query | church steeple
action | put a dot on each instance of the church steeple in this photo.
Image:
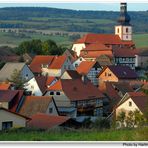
(124, 28)
(124, 18)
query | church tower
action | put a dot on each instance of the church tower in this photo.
(124, 28)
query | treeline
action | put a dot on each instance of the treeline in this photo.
(68, 20)
(38, 47)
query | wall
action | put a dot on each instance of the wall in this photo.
(26, 71)
(78, 47)
(54, 110)
(122, 32)
(102, 78)
(125, 106)
(141, 61)
(18, 121)
(33, 86)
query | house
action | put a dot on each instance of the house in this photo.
(132, 101)
(125, 57)
(39, 62)
(10, 99)
(11, 119)
(141, 59)
(71, 74)
(47, 121)
(114, 93)
(75, 98)
(90, 69)
(36, 86)
(7, 71)
(95, 50)
(77, 62)
(57, 67)
(115, 73)
(38, 104)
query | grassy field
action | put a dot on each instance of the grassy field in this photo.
(140, 134)
(13, 39)
(141, 40)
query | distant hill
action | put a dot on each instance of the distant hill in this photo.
(68, 20)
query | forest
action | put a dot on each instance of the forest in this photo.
(68, 20)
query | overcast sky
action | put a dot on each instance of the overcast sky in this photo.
(82, 6)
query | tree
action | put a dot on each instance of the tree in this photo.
(130, 120)
(17, 80)
(121, 118)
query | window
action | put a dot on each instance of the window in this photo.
(76, 65)
(80, 59)
(7, 125)
(126, 30)
(50, 110)
(127, 37)
(130, 103)
(105, 74)
(118, 30)
(58, 93)
(109, 74)
(51, 93)
(32, 87)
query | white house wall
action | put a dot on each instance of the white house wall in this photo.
(33, 87)
(78, 47)
(18, 121)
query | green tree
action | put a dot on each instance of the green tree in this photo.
(121, 118)
(17, 80)
(130, 119)
(48, 47)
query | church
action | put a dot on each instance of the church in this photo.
(118, 48)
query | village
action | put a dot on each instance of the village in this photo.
(103, 76)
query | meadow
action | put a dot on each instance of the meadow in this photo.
(140, 134)
(13, 39)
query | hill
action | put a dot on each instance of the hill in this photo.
(68, 20)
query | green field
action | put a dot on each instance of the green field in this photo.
(141, 40)
(140, 134)
(13, 39)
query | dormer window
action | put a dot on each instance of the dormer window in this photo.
(44, 66)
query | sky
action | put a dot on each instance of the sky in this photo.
(82, 6)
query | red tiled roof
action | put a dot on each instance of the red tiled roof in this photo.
(96, 54)
(44, 121)
(85, 67)
(50, 80)
(75, 89)
(122, 72)
(35, 104)
(56, 86)
(58, 62)
(15, 113)
(4, 86)
(124, 52)
(7, 95)
(37, 61)
(41, 81)
(96, 47)
(17, 100)
(103, 39)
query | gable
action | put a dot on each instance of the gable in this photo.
(125, 106)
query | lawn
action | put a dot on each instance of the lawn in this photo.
(141, 40)
(140, 134)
